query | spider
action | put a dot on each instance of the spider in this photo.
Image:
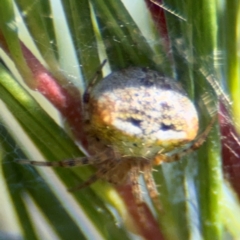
(135, 119)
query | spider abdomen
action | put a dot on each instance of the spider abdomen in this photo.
(141, 113)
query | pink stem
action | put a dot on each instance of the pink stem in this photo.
(230, 149)
(150, 229)
(66, 99)
(160, 22)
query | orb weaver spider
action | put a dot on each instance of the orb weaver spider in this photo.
(135, 119)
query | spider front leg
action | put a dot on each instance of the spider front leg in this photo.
(101, 172)
(73, 162)
(137, 192)
(151, 187)
(141, 208)
(104, 167)
(92, 82)
(160, 158)
(136, 189)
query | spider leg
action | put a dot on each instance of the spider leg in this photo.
(72, 162)
(160, 158)
(137, 193)
(151, 187)
(99, 174)
(65, 163)
(136, 189)
(92, 82)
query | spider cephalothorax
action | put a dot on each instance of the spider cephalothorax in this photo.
(135, 119)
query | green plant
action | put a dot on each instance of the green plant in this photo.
(197, 202)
